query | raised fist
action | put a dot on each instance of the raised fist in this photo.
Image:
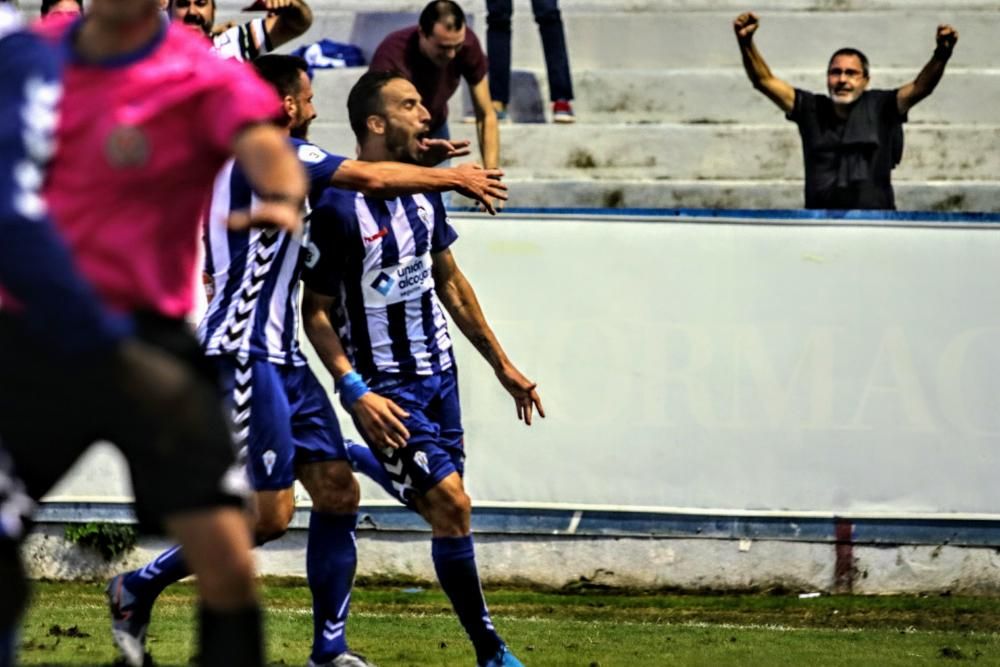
(947, 37)
(745, 26)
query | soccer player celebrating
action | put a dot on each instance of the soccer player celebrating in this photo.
(280, 411)
(285, 20)
(375, 268)
(126, 188)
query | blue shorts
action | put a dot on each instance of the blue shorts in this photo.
(282, 417)
(436, 445)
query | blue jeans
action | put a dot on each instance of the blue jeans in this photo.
(550, 26)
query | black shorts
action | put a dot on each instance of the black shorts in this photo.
(173, 433)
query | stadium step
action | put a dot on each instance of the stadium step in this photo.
(704, 151)
(706, 96)
(704, 39)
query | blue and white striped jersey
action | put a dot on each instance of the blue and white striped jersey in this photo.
(243, 42)
(375, 256)
(252, 276)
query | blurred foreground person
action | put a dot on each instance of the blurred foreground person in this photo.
(131, 87)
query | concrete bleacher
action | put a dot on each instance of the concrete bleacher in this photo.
(666, 117)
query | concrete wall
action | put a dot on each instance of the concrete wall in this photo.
(630, 562)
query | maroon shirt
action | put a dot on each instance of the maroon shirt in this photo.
(400, 52)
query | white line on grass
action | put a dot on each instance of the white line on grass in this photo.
(700, 625)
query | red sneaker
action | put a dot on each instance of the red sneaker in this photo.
(562, 112)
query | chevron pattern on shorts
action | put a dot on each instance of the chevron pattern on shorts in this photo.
(242, 394)
(401, 481)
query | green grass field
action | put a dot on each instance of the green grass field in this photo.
(407, 625)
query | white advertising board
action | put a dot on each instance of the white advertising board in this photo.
(714, 365)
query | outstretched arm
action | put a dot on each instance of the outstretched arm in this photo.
(925, 83)
(378, 417)
(460, 300)
(392, 179)
(760, 75)
(286, 20)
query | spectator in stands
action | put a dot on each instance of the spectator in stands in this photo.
(285, 20)
(435, 56)
(853, 138)
(550, 27)
(71, 7)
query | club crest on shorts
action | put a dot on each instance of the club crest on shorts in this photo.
(420, 458)
(127, 146)
(269, 458)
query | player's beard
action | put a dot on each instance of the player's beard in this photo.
(300, 131)
(401, 145)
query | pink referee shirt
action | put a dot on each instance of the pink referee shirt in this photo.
(140, 141)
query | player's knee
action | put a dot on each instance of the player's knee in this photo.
(269, 528)
(273, 519)
(452, 513)
(340, 499)
(332, 487)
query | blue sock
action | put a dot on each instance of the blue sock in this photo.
(455, 564)
(149, 581)
(364, 461)
(331, 559)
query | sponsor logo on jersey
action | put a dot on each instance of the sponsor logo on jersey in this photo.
(383, 284)
(404, 281)
(377, 235)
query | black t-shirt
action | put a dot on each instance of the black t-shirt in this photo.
(849, 162)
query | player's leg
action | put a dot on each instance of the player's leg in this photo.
(131, 595)
(168, 423)
(428, 474)
(448, 509)
(364, 461)
(217, 548)
(331, 555)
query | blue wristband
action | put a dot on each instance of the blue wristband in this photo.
(351, 387)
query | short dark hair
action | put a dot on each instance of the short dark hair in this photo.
(282, 72)
(47, 5)
(440, 11)
(848, 51)
(365, 99)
